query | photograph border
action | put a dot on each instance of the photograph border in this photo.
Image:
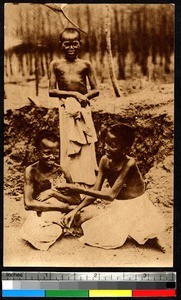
(177, 154)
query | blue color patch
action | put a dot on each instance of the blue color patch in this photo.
(23, 293)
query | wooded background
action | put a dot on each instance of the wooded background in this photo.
(142, 38)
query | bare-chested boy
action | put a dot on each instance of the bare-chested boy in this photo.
(41, 197)
(68, 79)
(130, 213)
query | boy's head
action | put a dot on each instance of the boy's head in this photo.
(47, 147)
(118, 140)
(124, 133)
(70, 42)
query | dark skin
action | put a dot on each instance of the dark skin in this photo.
(123, 176)
(121, 172)
(38, 192)
(68, 75)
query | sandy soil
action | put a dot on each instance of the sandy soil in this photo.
(143, 98)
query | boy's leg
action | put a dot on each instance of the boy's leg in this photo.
(88, 212)
(84, 215)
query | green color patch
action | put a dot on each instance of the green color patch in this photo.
(67, 293)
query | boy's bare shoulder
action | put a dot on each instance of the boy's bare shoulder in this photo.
(87, 63)
(30, 171)
(56, 62)
(31, 167)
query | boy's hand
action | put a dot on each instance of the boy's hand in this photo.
(64, 189)
(67, 189)
(83, 100)
(83, 103)
(68, 219)
(45, 195)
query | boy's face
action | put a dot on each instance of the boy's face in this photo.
(114, 148)
(70, 44)
(48, 152)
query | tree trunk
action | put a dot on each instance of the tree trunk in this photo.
(37, 70)
(109, 53)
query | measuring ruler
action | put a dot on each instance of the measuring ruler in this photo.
(88, 284)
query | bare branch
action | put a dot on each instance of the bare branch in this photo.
(59, 9)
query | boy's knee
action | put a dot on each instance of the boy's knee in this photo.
(88, 213)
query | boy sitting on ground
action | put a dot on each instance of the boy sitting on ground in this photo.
(41, 196)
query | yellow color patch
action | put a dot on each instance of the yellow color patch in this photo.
(110, 293)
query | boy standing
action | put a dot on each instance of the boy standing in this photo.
(41, 196)
(68, 81)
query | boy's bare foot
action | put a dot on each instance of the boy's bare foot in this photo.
(74, 231)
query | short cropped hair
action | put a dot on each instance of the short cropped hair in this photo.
(45, 134)
(124, 133)
(69, 30)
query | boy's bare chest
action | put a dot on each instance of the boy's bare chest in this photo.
(54, 177)
(111, 175)
(73, 71)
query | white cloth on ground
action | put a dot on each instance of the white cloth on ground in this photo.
(137, 218)
(43, 231)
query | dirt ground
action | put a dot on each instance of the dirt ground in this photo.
(146, 102)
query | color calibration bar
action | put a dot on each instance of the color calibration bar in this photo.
(56, 284)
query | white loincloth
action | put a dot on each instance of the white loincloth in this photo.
(78, 136)
(43, 231)
(137, 218)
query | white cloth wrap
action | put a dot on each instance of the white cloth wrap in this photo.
(77, 136)
(137, 218)
(42, 232)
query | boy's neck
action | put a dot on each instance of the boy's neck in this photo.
(71, 59)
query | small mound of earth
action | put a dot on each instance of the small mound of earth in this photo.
(159, 181)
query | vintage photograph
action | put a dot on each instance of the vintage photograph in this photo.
(88, 135)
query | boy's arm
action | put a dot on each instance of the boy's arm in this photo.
(68, 218)
(120, 181)
(112, 193)
(90, 192)
(117, 186)
(52, 81)
(71, 198)
(32, 204)
(74, 198)
(92, 81)
(96, 191)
